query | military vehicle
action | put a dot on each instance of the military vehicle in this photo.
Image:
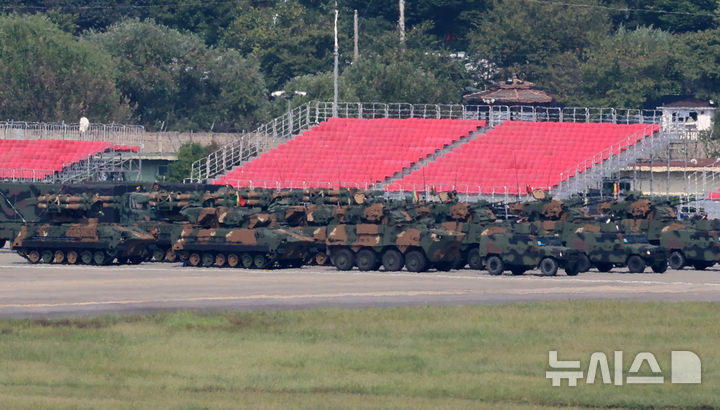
(685, 244)
(239, 237)
(520, 249)
(601, 243)
(70, 227)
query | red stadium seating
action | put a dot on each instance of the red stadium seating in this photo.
(37, 159)
(346, 151)
(517, 156)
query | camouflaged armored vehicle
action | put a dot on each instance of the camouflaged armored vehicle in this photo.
(371, 235)
(520, 249)
(244, 237)
(68, 227)
(686, 244)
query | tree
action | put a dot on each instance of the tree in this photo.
(699, 63)
(188, 153)
(525, 36)
(48, 75)
(287, 39)
(630, 68)
(675, 16)
(174, 81)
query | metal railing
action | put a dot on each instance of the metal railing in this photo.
(118, 134)
(310, 114)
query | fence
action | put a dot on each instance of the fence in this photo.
(118, 134)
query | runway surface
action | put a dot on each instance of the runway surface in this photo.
(28, 290)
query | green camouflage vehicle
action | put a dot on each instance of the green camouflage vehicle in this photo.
(239, 237)
(686, 244)
(88, 242)
(518, 250)
(414, 246)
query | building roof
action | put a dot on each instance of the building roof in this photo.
(513, 91)
(689, 103)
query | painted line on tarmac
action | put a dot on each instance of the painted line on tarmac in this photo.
(238, 298)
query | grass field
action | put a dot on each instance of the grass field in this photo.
(428, 357)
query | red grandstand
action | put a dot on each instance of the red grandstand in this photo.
(444, 154)
(38, 159)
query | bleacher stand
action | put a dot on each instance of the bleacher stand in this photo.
(38, 159)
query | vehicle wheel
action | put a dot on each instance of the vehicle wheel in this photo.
(415, 261)
(516, 270)
(583, 264)
(494, 265)
(475, 260)
(220, 260)
(208, 259)
(194, 259)
(86, 257)
(170, 256)
(701, 265)
(158, 255)
(660, 267)
(393, 260)
(676, 260)
(260, 261)
(343, 259)
(72, 257)
(33, 256)
(59, 256)
(233, 260)
(366, 260)
(548, 267)
(460, 261)
(604, 266)
(2, 243)
(296, 263)
(635, 264)
(47, 256)
(321, 258)
(246, 260)
(101, 258)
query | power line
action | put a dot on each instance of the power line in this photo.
(173, 4)
(623, 9)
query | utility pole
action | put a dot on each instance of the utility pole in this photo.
(356, 51)
(335, 70)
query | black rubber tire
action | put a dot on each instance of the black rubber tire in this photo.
(636, 264)
(100, 258)
(583, 264)
(220, 260)
(475, 261)
(86, 257)
(701, 265)
(233, 260)
(158, 255)
(261, 261)
(59, 256)
(494, 265)
(136, 260)
(2, 243)
(246, 260)
(660, 267)
(571, 271)
(194, 259)
(517, 270)
(548, 266)
(604, 266)
(47, 256)
(415, 261)
(366, 260)
(393, 260)
(72, 257)
(343, 259)
(208, 259)
(676, 260)
(34, 256)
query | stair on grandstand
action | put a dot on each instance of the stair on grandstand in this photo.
(350, 152)
(51, 159)
(516, 156)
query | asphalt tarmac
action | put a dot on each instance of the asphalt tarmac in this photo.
(28, 290)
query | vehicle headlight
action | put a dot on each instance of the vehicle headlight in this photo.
(561, 254)
(648, 252)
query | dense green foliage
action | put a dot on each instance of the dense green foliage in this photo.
(190, 65)
(188, 153)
